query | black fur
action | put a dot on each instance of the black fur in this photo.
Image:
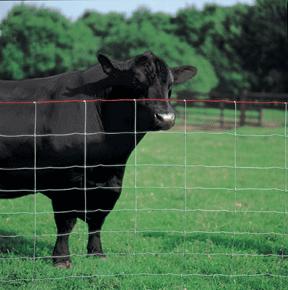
(119, 80)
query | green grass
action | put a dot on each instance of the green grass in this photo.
(211, 245)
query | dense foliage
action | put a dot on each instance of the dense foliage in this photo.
(37, 42)
(265, 46)
(235, 48)
(215, 33)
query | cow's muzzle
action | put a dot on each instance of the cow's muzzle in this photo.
(165, 121)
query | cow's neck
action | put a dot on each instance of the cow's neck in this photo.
(93, 75)
(118, 148)
(92, 82)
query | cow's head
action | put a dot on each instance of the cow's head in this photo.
(147, 77)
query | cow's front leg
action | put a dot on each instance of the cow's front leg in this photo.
(100, 204)
(65, 223)
(94, 246)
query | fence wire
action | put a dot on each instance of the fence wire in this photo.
(137, 187)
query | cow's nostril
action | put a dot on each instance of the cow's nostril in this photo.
(158, 117)
(169, 117)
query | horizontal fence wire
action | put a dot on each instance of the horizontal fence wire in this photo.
(125, 254)
(153, 209)
(163, 231)
(141, 100)
(147, 187)
(144, 165)
(136, 187)
(140, 133)
(156, 275)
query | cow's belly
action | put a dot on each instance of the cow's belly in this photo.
(18, 183)
(13, 185)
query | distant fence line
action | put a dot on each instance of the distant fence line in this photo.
(248, 102)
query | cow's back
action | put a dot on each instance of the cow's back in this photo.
(38, 88)
(59, 128)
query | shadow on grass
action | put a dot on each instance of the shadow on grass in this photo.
(264, 245)
(11, 244)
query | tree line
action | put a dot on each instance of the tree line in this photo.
(237, 48)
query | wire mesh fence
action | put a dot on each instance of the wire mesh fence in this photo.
(198, 195)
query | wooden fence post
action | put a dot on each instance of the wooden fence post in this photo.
(221, 114)
(242, 111)
(260, 117)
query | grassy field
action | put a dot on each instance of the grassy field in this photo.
(204, 225)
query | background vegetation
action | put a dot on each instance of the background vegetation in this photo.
(236, 48)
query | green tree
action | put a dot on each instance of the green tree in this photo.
(38, 42)
(215, 33)
(264, 46)
(160, 20)
(191, 26)
(134, 38)
(102, 24)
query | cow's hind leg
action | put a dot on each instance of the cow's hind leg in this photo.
(64, 222)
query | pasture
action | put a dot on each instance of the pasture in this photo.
(193, 220)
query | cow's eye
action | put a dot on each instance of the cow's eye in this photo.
(139, 77)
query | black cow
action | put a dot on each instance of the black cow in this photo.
(61, 143)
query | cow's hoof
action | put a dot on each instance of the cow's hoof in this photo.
(63, 265)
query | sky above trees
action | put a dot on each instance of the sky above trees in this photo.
(74, 9)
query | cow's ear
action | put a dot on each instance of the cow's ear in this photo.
(182, 74)
(141, 59)
(106, 64)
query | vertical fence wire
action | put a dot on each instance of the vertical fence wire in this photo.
(85, 165)
(285, 179)
(135, 168)
(285, 150)
(35, 185)
(85, 161)
(235, 173)
(285, 169)
(185, 182)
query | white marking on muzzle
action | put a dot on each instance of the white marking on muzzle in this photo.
(170, 117)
